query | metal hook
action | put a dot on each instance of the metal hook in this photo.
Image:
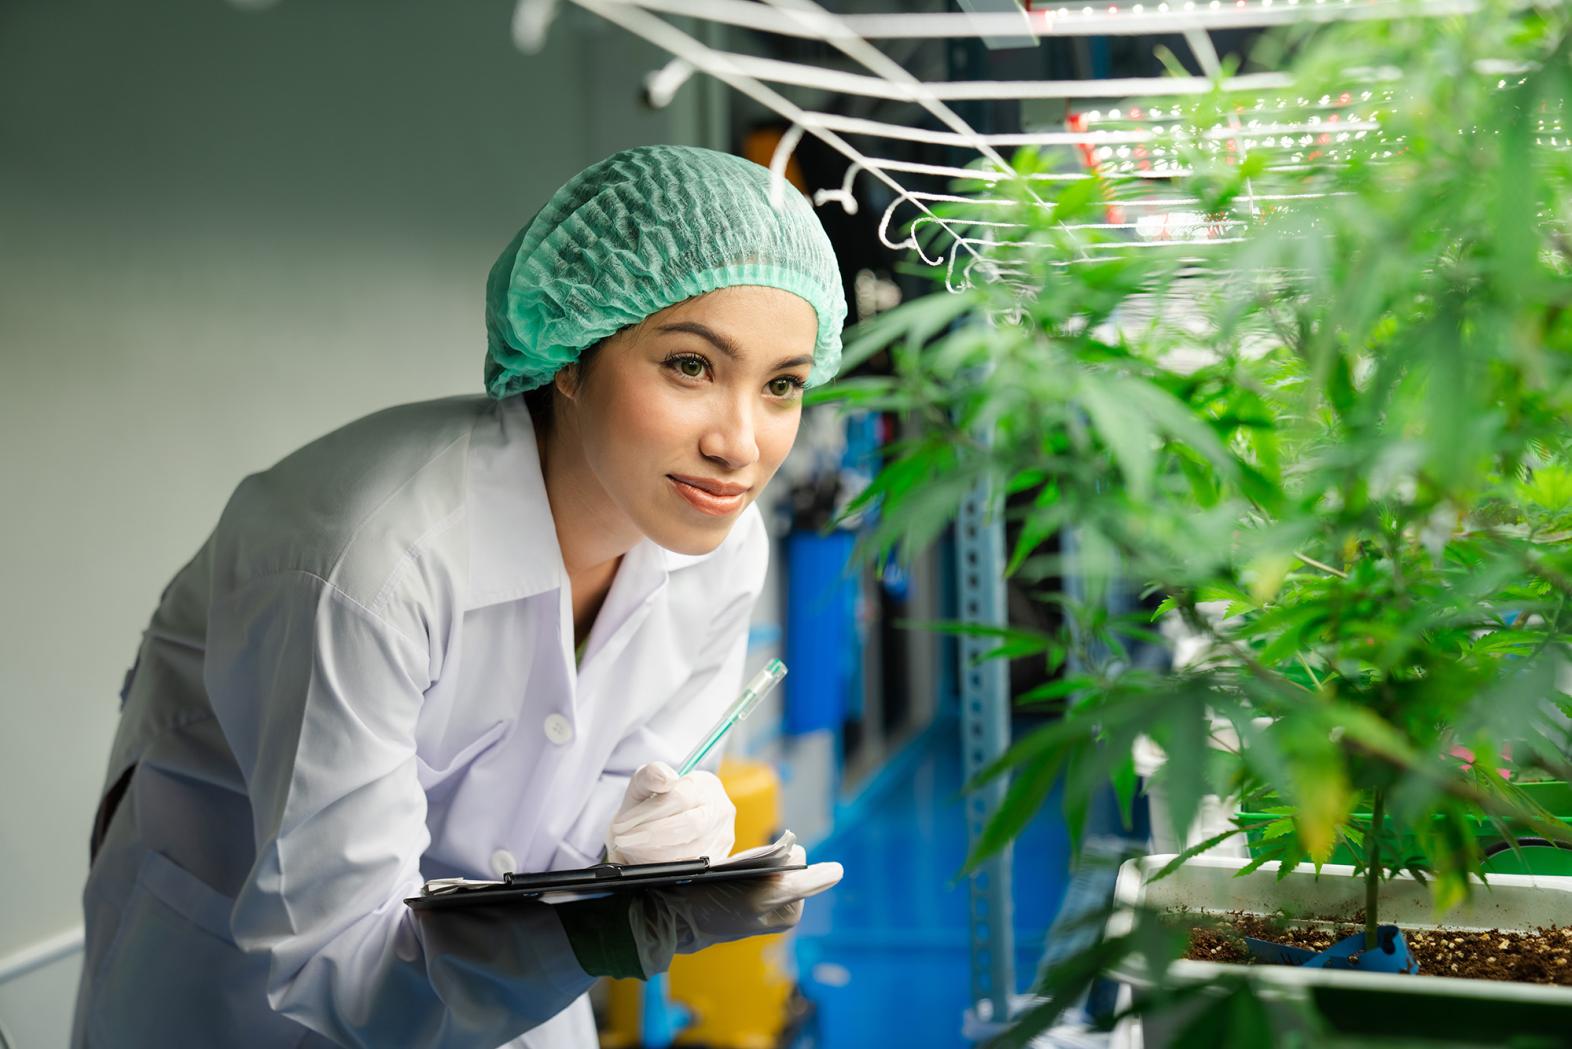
(783, 150)
(884, 228)
(843, 196)
(949, 272)
(917, 244)
(967, 284)
(661, 86)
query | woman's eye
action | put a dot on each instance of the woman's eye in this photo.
(692, 367)
(784, 387)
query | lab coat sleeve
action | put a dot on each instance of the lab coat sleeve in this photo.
(318, 697)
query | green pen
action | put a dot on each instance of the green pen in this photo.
(752, 692)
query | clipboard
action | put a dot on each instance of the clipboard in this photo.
(599, 880)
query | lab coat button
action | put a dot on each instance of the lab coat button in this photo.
(559, 730)
(503, 863)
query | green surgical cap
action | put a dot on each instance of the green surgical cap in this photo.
(642, 230)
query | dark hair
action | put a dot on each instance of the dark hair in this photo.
(542, 400)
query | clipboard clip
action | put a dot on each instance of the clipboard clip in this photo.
(602, 872)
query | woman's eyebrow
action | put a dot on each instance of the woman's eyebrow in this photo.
(725, 345)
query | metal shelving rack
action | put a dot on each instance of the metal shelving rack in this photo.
(687, 29)
(985, 733)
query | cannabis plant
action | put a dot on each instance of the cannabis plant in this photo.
(1323, 427)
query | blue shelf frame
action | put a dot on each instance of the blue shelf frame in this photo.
(985, 734)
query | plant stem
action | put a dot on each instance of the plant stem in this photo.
(1373, 869)
(1313, 679)
(1325, 568)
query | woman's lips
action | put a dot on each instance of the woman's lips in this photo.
(708, 502)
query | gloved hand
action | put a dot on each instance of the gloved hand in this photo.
(668, 922)
(665, 817)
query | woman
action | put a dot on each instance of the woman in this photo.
(471, 636)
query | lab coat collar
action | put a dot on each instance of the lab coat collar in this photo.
(513, 538)
(674, 560)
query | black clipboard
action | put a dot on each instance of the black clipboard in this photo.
(598, 880)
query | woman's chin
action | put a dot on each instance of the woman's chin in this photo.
(690, 542)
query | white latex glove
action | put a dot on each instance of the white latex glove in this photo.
(667, 922)
(665, 817)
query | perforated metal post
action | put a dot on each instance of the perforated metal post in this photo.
(985, 733)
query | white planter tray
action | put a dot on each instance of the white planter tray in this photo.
(1462, 1010)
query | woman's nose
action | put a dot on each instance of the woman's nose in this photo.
(731, 441)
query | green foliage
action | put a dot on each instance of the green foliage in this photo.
(1336, 445)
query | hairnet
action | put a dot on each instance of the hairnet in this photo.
(642, 230)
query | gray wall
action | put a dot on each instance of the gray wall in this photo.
(224, 232)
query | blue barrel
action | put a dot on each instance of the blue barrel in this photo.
(822, 652)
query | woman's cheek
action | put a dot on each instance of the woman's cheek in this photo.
(664, 417)
(782, 434)
(642, 414)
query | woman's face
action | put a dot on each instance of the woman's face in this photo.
(684, 418)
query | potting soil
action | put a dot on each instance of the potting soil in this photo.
(1541, 956)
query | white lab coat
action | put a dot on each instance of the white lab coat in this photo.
(363, 680)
